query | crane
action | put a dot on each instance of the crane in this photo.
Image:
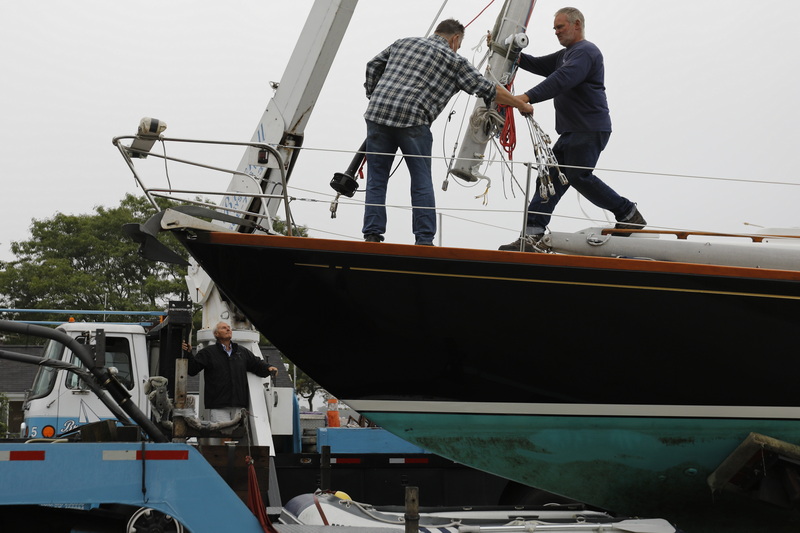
(257, 186)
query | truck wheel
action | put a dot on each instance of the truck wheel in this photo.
(146, 520)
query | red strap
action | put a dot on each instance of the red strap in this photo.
(321, 512)
(254, 501)
(361, 168)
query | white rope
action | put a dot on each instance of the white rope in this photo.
(484, 124)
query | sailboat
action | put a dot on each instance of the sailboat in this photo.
(661, 405)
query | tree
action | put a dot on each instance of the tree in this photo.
(297, 231)
(304, 386)
(87, 262)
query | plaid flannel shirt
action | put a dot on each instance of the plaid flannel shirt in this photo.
(410, 82)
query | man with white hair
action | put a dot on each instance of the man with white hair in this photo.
(575, 80)
(226, 365)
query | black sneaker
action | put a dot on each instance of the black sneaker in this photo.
(373, 237)
(528, 243)
(635, 221)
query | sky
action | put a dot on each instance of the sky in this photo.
(701, 92)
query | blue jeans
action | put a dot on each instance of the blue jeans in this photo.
(581, 149)
(412, 141)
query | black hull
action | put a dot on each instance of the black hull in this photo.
(399, 322)
(622, 383)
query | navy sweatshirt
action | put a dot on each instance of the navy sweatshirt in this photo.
(575, 82)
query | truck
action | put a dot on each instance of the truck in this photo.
(363, 460)
(143, 361)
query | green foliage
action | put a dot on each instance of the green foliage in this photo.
(297, 231)
(87, 262)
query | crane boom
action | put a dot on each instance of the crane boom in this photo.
(286, 116)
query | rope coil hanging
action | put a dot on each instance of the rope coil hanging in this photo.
(508, 135)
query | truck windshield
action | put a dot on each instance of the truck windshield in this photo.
(46, 376)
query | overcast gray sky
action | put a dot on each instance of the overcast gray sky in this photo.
(697, 88)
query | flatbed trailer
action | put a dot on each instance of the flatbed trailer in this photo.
(98, 487)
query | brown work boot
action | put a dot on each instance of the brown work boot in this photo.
(635, 221)
(528, 243)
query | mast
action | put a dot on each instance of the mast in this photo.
(508, 40)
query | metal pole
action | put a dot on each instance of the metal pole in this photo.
(178, 421)
(325, 469)
(527, 203)
(427, 33)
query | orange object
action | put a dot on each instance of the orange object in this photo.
(333, 413)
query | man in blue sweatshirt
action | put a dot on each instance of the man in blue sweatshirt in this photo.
(574, 79)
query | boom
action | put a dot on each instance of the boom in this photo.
(283, 122)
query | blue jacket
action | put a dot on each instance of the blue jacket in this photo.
(575, 81)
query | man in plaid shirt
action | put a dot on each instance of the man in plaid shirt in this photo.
(408, 85)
